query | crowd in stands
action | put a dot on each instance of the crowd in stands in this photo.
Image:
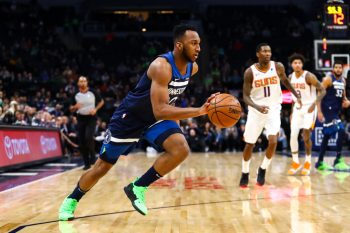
(38, 72)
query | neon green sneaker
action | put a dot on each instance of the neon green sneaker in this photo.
(321, 166)
(67, 209)
(136, 194)
(341, 165)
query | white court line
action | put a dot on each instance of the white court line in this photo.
(61, 164)
(19, 174)
(41, 170)
(45, 178)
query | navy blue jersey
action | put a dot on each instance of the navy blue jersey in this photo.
(332, 102)
(135, 112)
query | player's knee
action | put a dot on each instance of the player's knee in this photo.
(306, 137)
(182, 150)
(273, 141)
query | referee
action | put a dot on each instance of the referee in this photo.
(87, 103)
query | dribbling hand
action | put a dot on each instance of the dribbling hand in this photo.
(204, 108)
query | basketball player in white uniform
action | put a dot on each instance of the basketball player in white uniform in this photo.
(262, 93)
(307, 86)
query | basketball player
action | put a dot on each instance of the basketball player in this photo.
(329, 112)
(148, 112)
(306, 84)
(262, 93)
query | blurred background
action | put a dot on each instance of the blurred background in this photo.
(46, 45)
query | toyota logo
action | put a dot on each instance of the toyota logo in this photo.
(8, 147)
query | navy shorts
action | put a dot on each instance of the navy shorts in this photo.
(156, 134)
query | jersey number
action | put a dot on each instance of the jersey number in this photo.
(339, 93)
(267, 91)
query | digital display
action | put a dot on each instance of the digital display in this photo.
(336, 16)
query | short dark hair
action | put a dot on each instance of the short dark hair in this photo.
(258, 48)
(337, 62)
(297, 56)
(180, 29)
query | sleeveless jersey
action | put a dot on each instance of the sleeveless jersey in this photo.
(266, 88)
(332, 102)
(307, 92)
(135, 112)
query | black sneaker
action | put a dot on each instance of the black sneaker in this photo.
(260, 180)
(243, 183)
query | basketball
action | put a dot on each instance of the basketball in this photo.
(224, 110)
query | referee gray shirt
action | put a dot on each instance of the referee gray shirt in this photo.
(88, 101)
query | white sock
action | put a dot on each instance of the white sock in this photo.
(245, 166)
(266, 162)
(308, 158)
(295, 157)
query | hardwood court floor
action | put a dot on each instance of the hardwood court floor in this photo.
(200, 196)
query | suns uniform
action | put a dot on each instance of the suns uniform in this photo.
(266, 90)
(134, 119)
(301, 119)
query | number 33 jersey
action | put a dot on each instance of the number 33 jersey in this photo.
(266, 88)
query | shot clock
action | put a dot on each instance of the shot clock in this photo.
(336, 19)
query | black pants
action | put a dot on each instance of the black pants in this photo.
(86, 130)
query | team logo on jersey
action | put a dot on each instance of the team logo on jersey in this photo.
(299, 85)
(107, 137)
(266, 81)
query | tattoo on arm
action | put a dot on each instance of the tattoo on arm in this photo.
(312, 80)
(284, 80)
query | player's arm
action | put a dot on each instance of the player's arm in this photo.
(326, 82)
(346, 102)
(290, 79)
(285, 81)
(160, 73)
(321, 92)
(247, 88)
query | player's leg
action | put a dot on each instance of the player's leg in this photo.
(272, 126)
(308, 150)
(339, 162)
(109, 155)
(320, 164)
(294, 144)
(254, 127)
(165, 136)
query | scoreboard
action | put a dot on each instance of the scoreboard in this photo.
(336, 20)
(336, 16)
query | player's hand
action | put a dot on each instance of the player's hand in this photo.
(212, 96)
(204, 108)
(299, 103)
(311, 108)
(346, 103)
(320, 116)
(263, 109)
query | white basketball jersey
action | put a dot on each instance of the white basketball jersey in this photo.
(307, 92)
(266, 88)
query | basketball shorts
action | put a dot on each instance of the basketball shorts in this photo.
(257, 121)
(301, 119)
(156, 134)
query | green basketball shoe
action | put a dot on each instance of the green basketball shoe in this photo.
(136, 194)
(341, 165)
(322, 166)
(67, 209)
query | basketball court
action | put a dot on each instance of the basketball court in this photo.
(201, 195)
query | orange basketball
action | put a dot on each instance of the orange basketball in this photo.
(224, 110)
